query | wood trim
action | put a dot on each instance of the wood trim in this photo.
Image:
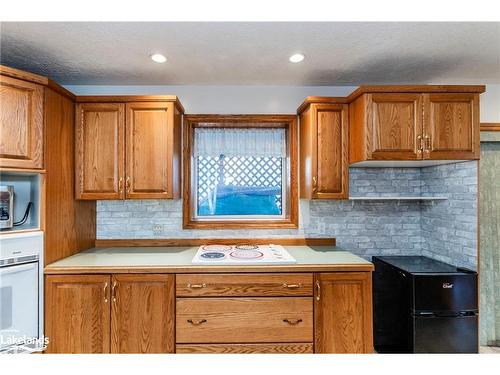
(415, 89)
(61, 90)
(35, 78)
(320, 100)
(187, 242)
(490, 126)
(129, 98)
(192, 121)
(54, 270)
(25, 172)
(25, 76)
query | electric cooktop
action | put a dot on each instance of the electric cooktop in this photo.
(242, 254)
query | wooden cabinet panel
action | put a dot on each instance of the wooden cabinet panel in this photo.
(451, 128)
(77, 313)
(343, 313)
(244, 320)
(244, 285)
(288, 348)
(149, 141)
(21, 124)
(142, 314)
(396, 122)
(324, 151)
(332, 168)
(99, 150)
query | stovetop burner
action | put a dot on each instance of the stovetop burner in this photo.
(242, 254)
(246, 254)
(212, 255)
(247, 247)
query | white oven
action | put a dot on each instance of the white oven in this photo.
(20, 290)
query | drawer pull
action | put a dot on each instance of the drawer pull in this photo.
(292, 286)
(197, 286)
(292, 322)
(197, 322)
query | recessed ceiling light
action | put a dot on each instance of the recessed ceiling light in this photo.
(158, 58)
(296, 58)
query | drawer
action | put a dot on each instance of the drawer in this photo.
(244, 285)
(244, 320)
(289, 348)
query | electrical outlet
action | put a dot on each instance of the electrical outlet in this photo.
(158, 229)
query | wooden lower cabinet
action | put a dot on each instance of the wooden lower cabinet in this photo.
(142, 318)
(343, 313)
(103, 313)
(244, 320)
(77, 313)
(213, 313)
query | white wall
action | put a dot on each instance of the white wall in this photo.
(258, 99)
(225, 99)
(490, 104)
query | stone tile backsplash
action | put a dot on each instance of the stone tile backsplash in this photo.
(445, 230)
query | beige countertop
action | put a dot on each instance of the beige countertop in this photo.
(178, 260)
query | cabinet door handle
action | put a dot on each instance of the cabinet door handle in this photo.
(113, 291)
(120, 185)
(196, 322)
(292, 322)
(318, 291)
(127, 184)
(197, 286)
(292, 286)
(315, 185)
(105, 291)
(427, 143)
(420, 140)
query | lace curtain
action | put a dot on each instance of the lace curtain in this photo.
(239, 142)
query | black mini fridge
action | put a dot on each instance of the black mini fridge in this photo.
(421, 305)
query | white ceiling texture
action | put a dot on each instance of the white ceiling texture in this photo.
(225, 53)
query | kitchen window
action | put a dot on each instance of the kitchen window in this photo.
(240, 172)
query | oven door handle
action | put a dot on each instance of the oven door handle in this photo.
(18, 268)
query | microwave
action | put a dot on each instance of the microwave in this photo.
(6, 206)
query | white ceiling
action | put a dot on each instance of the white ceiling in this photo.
(337, 54)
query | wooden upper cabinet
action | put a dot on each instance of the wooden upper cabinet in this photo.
(99, 150)
(21, 124)
(149, 141)
(77, 313)
(324, 151)
(396, 123)
(451, 129)
(143, 314)
(127, 149)
(343, 313)
(412, 125)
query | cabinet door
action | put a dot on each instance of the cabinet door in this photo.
(451, 126)
(149, 153)
(99, 151)
(142, 314)
(396, 126)
(331, 180)
(21, 124)
(343, 313)
(77, 313)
